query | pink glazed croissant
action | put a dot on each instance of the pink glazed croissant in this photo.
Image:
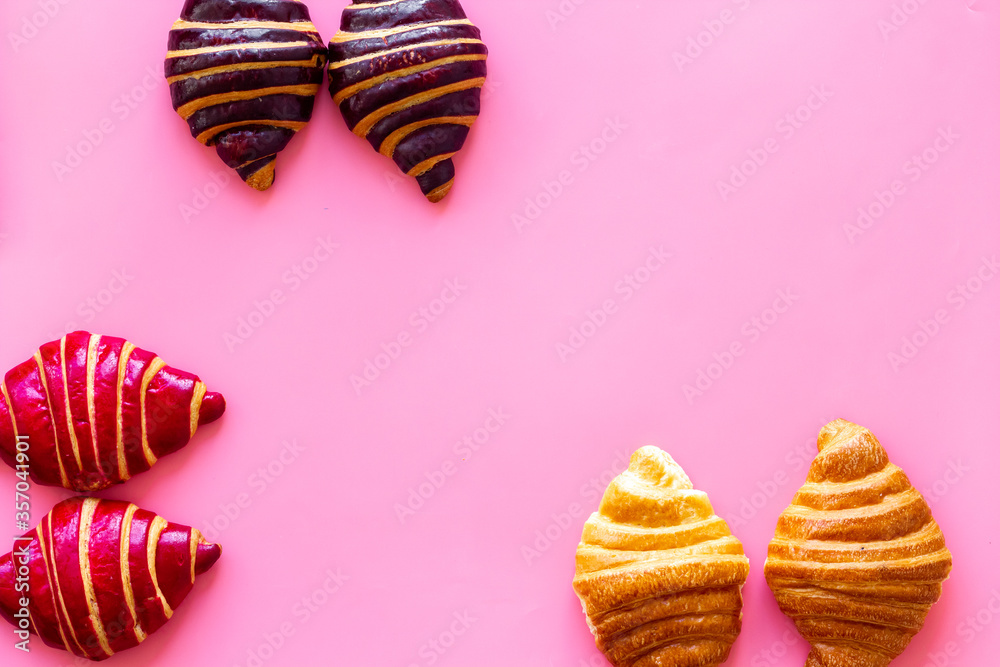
(93, 411)
(96, 577)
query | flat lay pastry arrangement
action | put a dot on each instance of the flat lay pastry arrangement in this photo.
(856, 563)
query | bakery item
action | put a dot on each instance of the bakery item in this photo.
(407, 76)
(857, 559)
(659, 574)
(100, 575)
(93, 411)
(244, 75)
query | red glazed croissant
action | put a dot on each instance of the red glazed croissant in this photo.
(98, 576)
(857, 560)
(96, 410)
(244, 74)
(407, 75)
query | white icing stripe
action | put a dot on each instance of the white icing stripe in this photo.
(123, 559)
(299, 26)
(126, 352)
(153, 539)
(154, 368)
(185, 53)
(74, 442)
(342, 36)
(372, 5)
(91, 404)
(86, 520)
(399, 49)
(55, 430)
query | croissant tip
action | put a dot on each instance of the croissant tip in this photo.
(212, 407)
(439, 193)
(263, 178)
(207, 556)
(835, 431)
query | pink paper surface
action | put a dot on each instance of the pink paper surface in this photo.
(560, 323)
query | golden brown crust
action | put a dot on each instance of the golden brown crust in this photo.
(857, 559)
(659, 575)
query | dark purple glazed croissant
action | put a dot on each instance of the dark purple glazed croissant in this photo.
(407, 75)
(244, 74)
(96, 577)
(89, 411)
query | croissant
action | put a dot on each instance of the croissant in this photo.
(244, 74)
(658, 573)
(857, 559)
(407, 76)
(89, 411)
(96, 577)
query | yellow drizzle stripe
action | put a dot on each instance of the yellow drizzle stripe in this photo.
(388, 146)
(428, 164)
(238, 67)
(399, 49)
(155, 529)
(406, 71)
(187, 110)
(126, 352)
(10, 408)
(52, 574)
(91, 408)
(69, 413)
(342, 36)
(368, 122)
(86, 519)
(55, 431)
(196, 399)
(153, 369)
(205, 136)
(201, 50)
(300, 26)
(126, 540)
(195, 539)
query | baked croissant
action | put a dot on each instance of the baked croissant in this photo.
(98, 576)
(659, 574)
(857, 559)
(244, 74)
(407, 76)
(96, 410)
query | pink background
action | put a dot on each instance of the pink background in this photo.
(556, 86)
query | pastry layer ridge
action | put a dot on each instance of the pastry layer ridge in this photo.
(659, 574)
(857, 560)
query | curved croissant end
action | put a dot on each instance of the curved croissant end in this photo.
(658, 573)
(407, 76)
(857, 560)
(244, 74)
(102, 575)
(95, 410)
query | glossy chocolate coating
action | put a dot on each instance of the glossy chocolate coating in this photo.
(407, 76)
(244, 74)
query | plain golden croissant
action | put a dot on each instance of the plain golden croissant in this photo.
(857, 560)
(659, 574)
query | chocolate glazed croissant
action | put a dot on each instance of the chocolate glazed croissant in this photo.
(244, 74)
(659, 574)
(99, 576)
(857, 559)
(96, 410)
(407, 76)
